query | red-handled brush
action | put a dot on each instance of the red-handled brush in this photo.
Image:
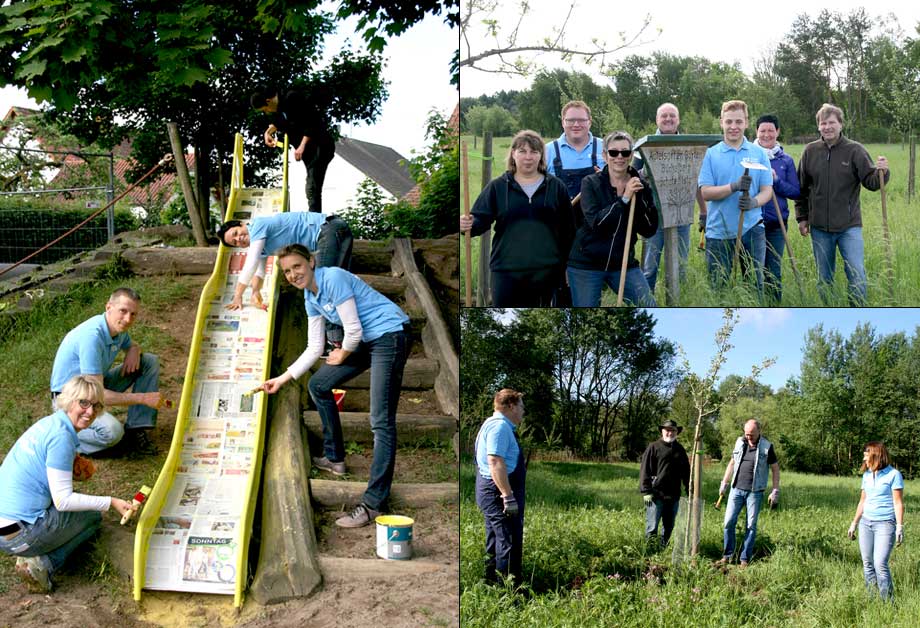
(139, 498)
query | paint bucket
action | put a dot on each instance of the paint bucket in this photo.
(394, 537)
(339, 395)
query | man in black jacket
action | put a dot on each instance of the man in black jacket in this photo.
(665, 467)
(308, 131)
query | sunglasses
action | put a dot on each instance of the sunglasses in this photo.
(619, 153)
(86, 403)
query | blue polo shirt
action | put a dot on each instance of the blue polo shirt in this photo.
(721, 166)
(87, 349)
(879, 504)
(574, 159)
(281, 230)
(496, 438)
(48, 443)
(334, 286)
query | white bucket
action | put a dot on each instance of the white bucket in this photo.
(394, 537)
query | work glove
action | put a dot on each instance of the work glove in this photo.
(511, 506)
(899, 534)
(746, 203)
(851, 533)
(647, 497)
(722, 487)
(702, 223)
(773, 499)
(743, 183)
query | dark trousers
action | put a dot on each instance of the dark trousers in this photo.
(504, 535)
(524, 289)
(333, 248)
(316, 160)
(663, 510)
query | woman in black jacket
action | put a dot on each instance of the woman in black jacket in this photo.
(534, 226)
(596, 257)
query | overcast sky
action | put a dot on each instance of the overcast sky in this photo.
(720, 31)
(766, 332)
(418, 71)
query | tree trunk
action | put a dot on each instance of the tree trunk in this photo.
(203, 181)
(288, 565)
(484, 291)
(186, 184)
(696, 484)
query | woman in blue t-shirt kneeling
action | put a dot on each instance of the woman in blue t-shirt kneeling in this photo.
(879, 515)
(375, 338)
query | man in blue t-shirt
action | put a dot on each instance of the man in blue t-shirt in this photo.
(732, 196)
(500, 480)
(90, 349)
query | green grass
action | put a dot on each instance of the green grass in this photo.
(903, 224)
(28, 348)
(586, 564)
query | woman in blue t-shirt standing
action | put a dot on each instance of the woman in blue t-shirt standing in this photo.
(879, 515)
(375, 339)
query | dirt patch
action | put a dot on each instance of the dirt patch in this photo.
(96, 593)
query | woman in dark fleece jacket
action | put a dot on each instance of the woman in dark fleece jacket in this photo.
(534, 226)
(596, 257)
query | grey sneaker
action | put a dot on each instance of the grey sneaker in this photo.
(360, 516)
(34, 573)
(335, 468)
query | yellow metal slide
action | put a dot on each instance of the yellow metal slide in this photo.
(194, 531)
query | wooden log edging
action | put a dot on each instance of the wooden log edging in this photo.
(409, 427)
(338, 493)
(337, 569)
(435, 335)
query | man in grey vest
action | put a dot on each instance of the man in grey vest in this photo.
(746, 475)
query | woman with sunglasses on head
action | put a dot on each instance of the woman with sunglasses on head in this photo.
(596, 257)
(879, 517)
(42, 519)
(534, 225)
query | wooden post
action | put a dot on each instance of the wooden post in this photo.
(887, 236)
(467, 244)
(911, 168)
(484, 289)
(672, 266)
(201, 238)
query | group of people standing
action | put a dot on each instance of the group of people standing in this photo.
(561, 211)
(665, 470)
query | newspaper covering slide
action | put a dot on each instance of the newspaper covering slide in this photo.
(194, 543)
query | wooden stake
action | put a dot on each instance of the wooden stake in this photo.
(629, 224)
(782, 227)
(736, 265)
(467, 238)
(887, 235)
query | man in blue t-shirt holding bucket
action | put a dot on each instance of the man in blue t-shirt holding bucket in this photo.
(500, 485)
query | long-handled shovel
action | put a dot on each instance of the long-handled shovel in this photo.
(467, 239)
(890, 268)
(744, 194)
(629, 224)
(782, 227)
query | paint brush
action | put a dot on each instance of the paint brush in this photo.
(139, 498)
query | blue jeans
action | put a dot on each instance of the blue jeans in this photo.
(876, 540)
(850, 242)
(586, 286)
(653, 248)
(54, 535)
(665, 511)
(720, 255)
(333, 248)
(773, 266)
(750, 501)
(386, 358)
(145, 379)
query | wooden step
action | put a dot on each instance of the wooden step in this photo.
(335, 493)
(391, 287)
(410, 427)
(418, 374)
(337, 569)
(410, 401)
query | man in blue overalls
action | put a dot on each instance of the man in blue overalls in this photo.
(500, 485)
(571, 157)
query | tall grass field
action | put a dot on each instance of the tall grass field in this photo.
(903, 225)
(586, 564)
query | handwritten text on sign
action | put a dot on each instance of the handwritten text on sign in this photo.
(674, 171)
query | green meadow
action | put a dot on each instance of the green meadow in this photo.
(586, 563)
(903, 224)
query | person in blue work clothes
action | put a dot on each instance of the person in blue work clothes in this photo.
(786, 187)
(668, 120)
(879, 517)
(376, 338)
(571, 157)
(746, 475)
(721, 182)
(327, 235)
(500, 477)
(90, 349)
(42, 519)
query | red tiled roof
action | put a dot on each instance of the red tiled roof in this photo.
(413, 196)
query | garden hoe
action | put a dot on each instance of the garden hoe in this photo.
(747, 165)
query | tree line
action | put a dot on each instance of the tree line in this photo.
(598, 382)
(866, 65)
